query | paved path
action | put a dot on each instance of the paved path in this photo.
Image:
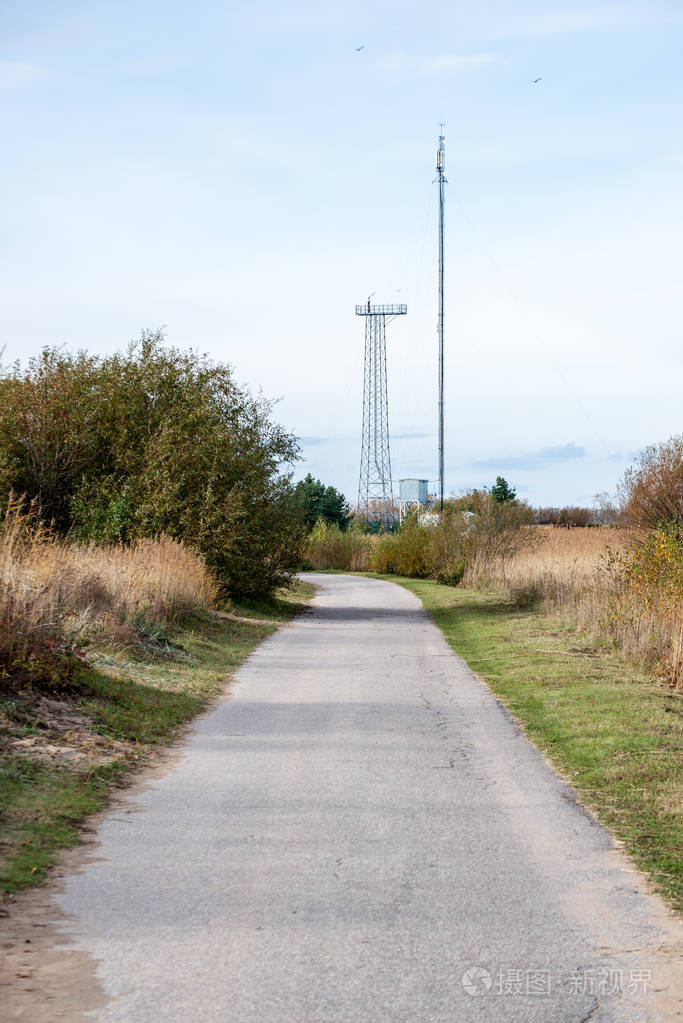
(347, 836)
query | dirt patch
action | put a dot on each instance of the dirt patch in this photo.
(42, 979)
(249, 621)
(50, 731)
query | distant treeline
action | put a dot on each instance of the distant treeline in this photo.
(570, 516)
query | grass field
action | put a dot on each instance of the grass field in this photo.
(611, 730)
(62, 755)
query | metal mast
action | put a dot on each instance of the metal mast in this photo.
(440, 170)
(375, 494)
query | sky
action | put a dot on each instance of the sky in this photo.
(241, 174)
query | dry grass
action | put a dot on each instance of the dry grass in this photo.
(587, 574)
(559, 564)
(54, 594)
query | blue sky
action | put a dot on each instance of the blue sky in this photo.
(239, 174)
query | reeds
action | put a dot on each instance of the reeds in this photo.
(559, 565)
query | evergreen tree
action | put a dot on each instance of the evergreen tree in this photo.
(317, 501)
(502, 491)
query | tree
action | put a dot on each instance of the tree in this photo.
(316, 501)
(502, 491)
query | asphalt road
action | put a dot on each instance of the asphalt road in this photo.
(360, 834)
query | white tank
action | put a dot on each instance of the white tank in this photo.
(413, 490)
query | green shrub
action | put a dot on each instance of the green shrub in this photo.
(451, 573)
(328, 546)
(483, 533)
(101, 513)
(467, 539)
(154, 441)
(407, 552)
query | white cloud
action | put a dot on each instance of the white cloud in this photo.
(600, 19)
(15, 74)
(436, 63)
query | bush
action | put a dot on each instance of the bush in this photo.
(472, 538)
(567, 516)
(655, 568)
(154, 441)
(407, 552)
(33, 643)
(642, 605)
(652, 490)
(451, 573)
(481, 534)
(328, 546)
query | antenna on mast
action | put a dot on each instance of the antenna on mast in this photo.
(441, 178)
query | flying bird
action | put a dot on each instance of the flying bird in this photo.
(537, 80)
(359, 48)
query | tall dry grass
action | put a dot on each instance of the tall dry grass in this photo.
(55, 594)
(609, 582)
(558, 565)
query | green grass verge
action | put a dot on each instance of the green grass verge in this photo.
(136, 703)
(614, 733)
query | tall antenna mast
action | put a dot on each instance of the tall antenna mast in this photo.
(441, 178)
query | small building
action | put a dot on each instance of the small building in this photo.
(413, 491)
(413, 495)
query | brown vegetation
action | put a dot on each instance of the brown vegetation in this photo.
(622, 583)
(652, 490)
(609, 582)
(56, 595)
(568, 516)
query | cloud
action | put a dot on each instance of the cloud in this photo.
(533, 460)
(599, 19)
(14, 74)
(436, 64)
(309, 442)
(313, 441)
(562, 452)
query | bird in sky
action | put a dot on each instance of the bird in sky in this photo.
(359, 48)
(537, 80)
